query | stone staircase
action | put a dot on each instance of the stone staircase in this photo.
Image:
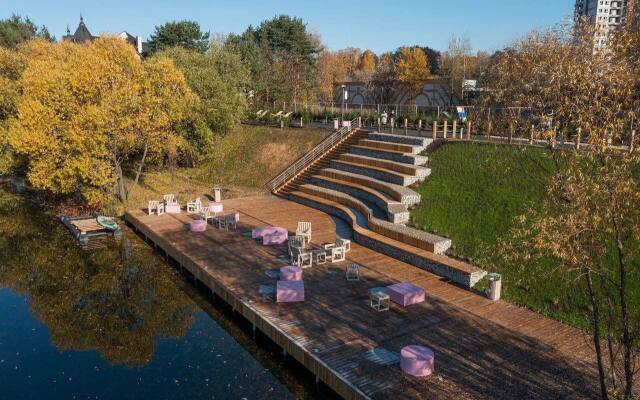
(365, 179)
(370, 173)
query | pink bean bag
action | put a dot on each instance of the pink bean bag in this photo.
(289, 291)
(172, 209)
(198, 225)
(405, 294)
(417, 360)
(290, 273)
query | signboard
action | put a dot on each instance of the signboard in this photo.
(470, 84)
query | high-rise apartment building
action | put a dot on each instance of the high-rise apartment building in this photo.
(606, 15)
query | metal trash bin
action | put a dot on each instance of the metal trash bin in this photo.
(217, 194)
(495, 286)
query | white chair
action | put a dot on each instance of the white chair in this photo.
(301, 258)
(380, 300)
(205, 214)
(337, 254)
(295, 242)
(346, 243)
(353, 272)
(304, 230)
(227, 221)
(193, 207)
(156, 207)
(170, 199)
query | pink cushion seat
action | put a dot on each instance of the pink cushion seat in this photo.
(172, 209)
(198, 225)
(215, 207)
(405, 294)
(289, 291)
(417, 360)
(280, 236)
(258, 233)
(290, 273)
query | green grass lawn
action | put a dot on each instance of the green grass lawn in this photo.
(474, 196)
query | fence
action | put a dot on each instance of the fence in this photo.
(412, 112)
(487, 123)
(533, 136)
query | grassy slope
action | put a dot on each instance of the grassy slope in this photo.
(473, 196)
(241, 162)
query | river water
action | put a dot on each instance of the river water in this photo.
(118, 323)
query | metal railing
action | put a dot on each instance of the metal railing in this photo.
(301, 163)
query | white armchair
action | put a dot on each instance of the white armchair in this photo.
(304, 230)
(170, 199)
(193, 207)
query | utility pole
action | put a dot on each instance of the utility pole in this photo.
(344, 97)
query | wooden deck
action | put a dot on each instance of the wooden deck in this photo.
(483, 349)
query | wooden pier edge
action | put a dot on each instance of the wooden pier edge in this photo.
(316, 366)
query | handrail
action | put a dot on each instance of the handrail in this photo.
(304, 161)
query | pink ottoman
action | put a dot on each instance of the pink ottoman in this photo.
(290, 273)
(215, 207)
(172, 209)
(259, 233)
(289, 291)
(417, 360)
(198, 225)
(405, 294)
(280, 236)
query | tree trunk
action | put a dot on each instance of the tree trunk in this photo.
(610, 327)
(120, 189)
(595, 319)
(627, 341)
(139, 171)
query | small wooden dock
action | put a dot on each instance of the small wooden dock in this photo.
(484, 349)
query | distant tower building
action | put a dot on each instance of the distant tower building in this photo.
(606, 15)
(81, 35)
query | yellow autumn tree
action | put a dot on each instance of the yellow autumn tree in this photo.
(87, 112)
(12, 63)
(331, 69)
(412, 66)
(367, 62)
(590, 222)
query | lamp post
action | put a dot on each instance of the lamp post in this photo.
(344, 97)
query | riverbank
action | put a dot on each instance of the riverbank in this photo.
(240, 162)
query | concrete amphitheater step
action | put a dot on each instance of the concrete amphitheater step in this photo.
(346, 200)
(396, 212)
(398, 193)
(400, 139)
(404, 148)
(391, 155)
(418, 171)
(455, 270)
(420, 239)
(380, 174)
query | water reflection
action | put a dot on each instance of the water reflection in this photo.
(109, 323)
(114, 300)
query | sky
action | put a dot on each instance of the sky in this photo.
(373, 24)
